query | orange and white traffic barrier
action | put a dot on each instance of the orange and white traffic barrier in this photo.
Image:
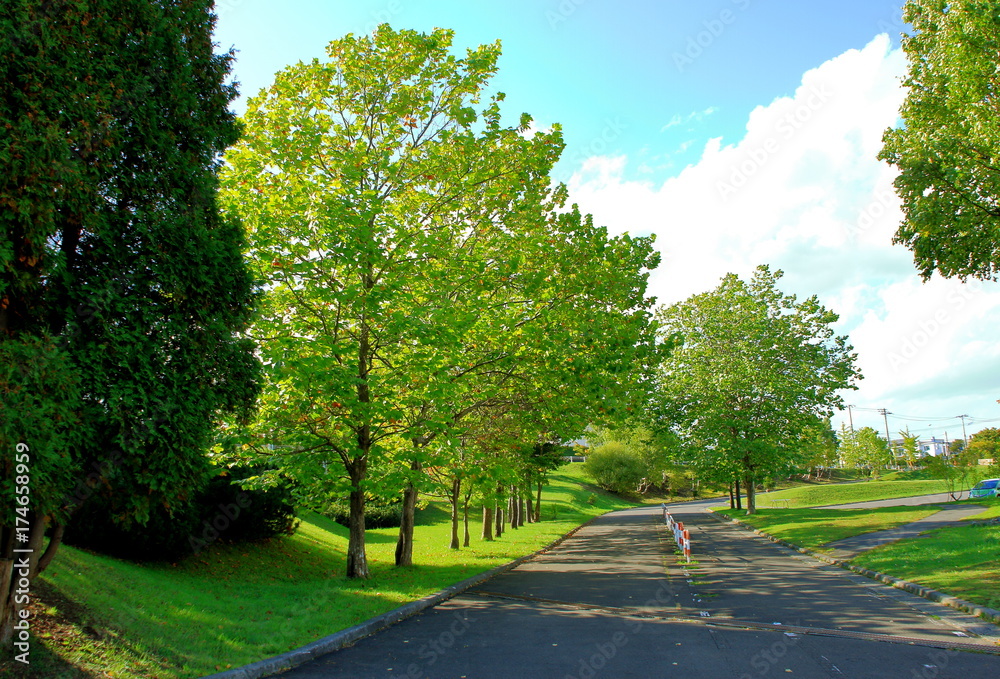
(681, 535)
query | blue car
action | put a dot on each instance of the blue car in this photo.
(987, 488)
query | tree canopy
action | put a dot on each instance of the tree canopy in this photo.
(752, 370)
(864, 449)
(423, 268)
(123, 292)
(948, 146)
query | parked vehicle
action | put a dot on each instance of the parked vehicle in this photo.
(987, 488)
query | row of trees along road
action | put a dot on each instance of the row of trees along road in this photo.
(750, 372)
(429, 294)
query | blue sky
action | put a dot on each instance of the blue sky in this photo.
(740, 132)
(613, 74)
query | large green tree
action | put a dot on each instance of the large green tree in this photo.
(123, 292)
(818, 444)
(378, 197)
(948, 146)
(423, 267)
(753, 369)
(561, 342)
(865, 449)
(984, 444)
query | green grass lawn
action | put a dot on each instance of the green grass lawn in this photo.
(235, 604)
(960, 560)
(814, 528)
(843, 493)
(992, 511)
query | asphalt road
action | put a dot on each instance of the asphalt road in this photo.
(612, 601)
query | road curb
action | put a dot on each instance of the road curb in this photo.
(338, 640)
(989, 614)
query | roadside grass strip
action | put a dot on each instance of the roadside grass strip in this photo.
(963, 561)
(844, 493)
(236, 604)
(813, 528)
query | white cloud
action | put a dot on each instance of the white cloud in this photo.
(696, 116)
(803, 192)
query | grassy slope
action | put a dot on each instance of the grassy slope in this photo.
(235, 604)
(960, 560)
(843, 493)
(815, 527)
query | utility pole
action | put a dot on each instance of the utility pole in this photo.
(964, 437)
(888, 441)
(850, 417)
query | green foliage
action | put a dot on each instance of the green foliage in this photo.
(379, 513)
(615, 467)
(947, 146)
(652, 448)
(112, 247)
(865, 449)
(754, 369)
(432, 297)
(40, 395)
(959, 477)
(910, 442)
(984, 444)
(817, 444)
(224, 512)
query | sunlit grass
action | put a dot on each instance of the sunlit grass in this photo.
(235, 604)
(861, 491)
(814, 528)
(960, 560)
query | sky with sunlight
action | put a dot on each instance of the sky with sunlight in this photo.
(740, 132)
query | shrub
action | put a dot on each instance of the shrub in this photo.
(379, 513)
(222, 511)
(614, 467)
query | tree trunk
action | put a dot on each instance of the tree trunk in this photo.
(512, 509)
(520, 507)
(7, 580)
(465, 515)
(530, 510)
(487, 523)
(404, 543)
(29, 560)
(732, 500)
(357, 561)
(498, 516)
(456, 489)
(53, 546)
(751, 494)
(538, 502)
(739, 499)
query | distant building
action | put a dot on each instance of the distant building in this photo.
(932, 447)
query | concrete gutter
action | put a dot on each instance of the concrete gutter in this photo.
(989, 614)
(338, 640)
